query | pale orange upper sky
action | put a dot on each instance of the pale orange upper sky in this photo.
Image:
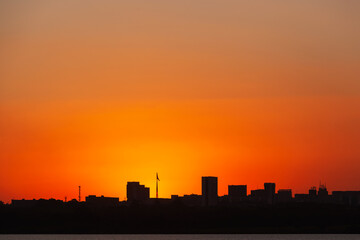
(98, 93)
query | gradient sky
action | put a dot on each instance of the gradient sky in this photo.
(98, 93)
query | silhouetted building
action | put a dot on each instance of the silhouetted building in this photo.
(102, 201)
(301, 197)
(258, 195)
(209, 191)
(224, 200)
(36, 203)
(158, 201)
(73, 203)
(311, 197)
(351, 198)
(137, 193)
(284, 195)
(23, 203)
(192, 200)
(237, 193)
(270, 192)
(323, 192)
(312, 192)
(175, 197)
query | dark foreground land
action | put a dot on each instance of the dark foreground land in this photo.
(289, 218)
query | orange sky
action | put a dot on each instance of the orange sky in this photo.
(98, 93)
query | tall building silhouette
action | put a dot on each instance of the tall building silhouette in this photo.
(323, 192)
(269, 192)
(136, 192)
(209, 191)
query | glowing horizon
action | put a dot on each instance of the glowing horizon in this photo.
(100, 93)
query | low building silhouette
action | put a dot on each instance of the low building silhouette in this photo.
(351, 198)
(301, 197)
(312, 192)
(284, 195)
(237, 193)
(23, 203)
(94, 201)
(192, 200)
(157, 201)
(258, 195)
(175, 197)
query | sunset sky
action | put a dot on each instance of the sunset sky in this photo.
(98, 93)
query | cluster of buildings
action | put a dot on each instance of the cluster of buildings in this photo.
(238, 194)
(138, 194)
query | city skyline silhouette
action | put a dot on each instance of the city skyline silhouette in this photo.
(266, 210)
(94, 94)
(179, 116)
(137, 193)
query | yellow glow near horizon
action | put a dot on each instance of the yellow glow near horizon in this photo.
(97, 93)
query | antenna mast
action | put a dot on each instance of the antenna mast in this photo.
(79, 193)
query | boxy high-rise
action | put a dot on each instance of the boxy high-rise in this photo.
(137, 193)
(209, 191)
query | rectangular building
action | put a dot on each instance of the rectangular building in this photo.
(137, 193)
(284, 195)
(209, 191)
(269, 192)
(258, 195)
(94, 201)
(351, 198)
(237, 193)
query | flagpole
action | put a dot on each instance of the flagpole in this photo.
(157, 186)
